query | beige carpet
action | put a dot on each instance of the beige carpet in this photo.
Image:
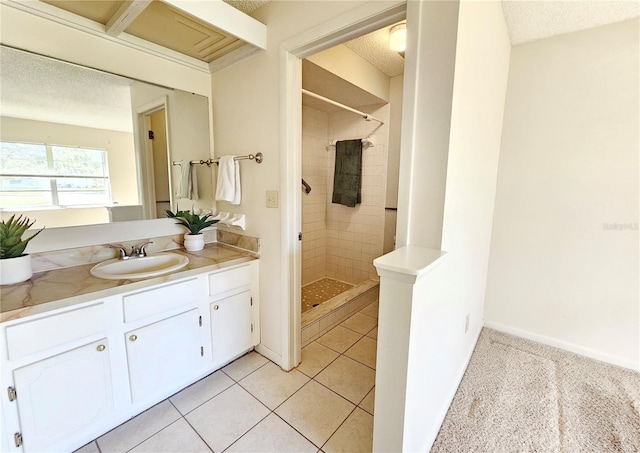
(521, 396)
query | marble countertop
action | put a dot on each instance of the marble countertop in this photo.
(64, 287)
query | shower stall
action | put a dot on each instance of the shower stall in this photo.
(340, 243)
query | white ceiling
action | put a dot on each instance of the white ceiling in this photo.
(529, 20)
(374, 48)
(44, 89)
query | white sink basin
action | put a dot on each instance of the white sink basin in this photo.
(132, 268)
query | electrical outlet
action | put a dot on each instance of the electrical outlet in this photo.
(272, 198)
(466, 324)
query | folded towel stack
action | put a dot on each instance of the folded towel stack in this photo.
(228, 184)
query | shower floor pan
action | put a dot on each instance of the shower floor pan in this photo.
(321, 291)
(319, 320)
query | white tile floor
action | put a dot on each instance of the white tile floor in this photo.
(251, 405)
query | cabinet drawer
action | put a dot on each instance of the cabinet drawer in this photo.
(225, 281)
(45, 333)
(158, 300)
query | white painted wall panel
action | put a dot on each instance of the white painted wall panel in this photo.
(568, 170)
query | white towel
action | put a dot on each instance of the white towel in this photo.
(228, 184)
(182, 188)
(187, 184)
(193, 182)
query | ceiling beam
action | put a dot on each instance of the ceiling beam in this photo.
(125, 15)
(225, 18)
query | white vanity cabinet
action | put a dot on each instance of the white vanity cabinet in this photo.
(58, 378)
(164, 356)
(163, 338)
(233, 305)
(70, 375)
(63, 394)
(231, 327)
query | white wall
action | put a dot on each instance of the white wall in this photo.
(456, 288)
(393, 161)
(428, 82)
(438, 347)
(568, 167)
(246, 118)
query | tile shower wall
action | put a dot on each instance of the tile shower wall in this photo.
(355, 235)
(341, 242)
(315, 161)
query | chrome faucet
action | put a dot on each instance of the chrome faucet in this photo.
(137, 251)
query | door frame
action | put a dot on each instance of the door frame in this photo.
(144, 158)
(364, 19)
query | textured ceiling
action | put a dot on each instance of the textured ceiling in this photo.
(44, 89)
(374, 48)
(532, 20)
(246, 6)
(527, 20)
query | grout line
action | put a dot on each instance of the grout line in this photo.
(247, 431)
(250, 373)
(204, 402)
(197, 433)
(347, 327)
(292, 427)
(339, 426)
(138, 415)
(290, 396)
(324, 367)
(164, 427)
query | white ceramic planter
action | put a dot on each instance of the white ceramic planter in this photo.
(15, 270)
(194, 242)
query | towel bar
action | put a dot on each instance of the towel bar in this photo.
(258, 157)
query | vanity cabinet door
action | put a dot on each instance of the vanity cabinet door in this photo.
(231, 327)
(164, 356)
(61, 396)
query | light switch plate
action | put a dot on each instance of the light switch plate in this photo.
(272, 198)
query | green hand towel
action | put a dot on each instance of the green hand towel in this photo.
(347, 177)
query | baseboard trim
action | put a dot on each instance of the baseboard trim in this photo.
(565, 345)
(269, 354)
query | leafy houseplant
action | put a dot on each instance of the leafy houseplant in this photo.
(15, 264)
(195, 223)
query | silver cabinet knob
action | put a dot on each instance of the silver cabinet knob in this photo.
(215, 307)
(133, 337)
(101, 348)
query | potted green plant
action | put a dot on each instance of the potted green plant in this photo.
(195, 223)
(15, 265)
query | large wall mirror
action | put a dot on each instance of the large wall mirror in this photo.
(81, 147)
